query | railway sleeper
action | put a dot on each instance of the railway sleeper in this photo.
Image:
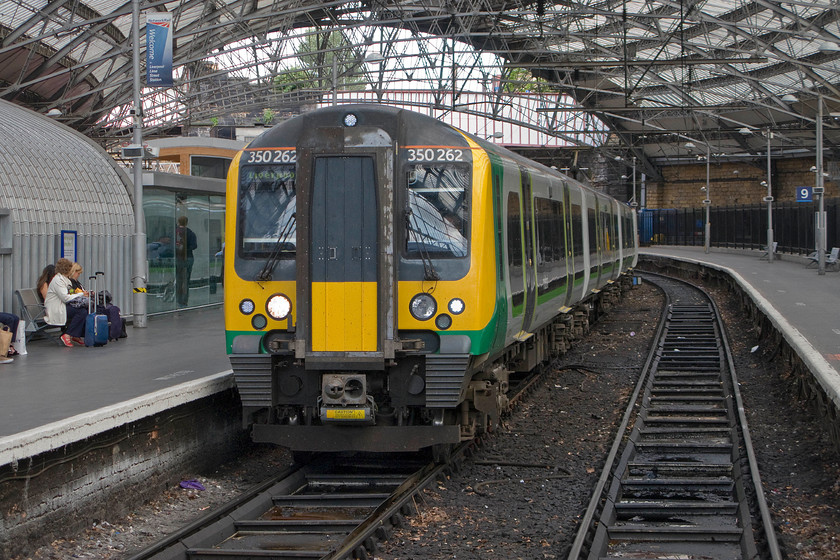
(662, 510)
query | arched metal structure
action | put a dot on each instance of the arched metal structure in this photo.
(657, 73)
(54, 180)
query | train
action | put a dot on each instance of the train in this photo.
(388, 276)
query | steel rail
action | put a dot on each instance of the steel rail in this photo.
(213, 516)
(586, 521)
(764, 509)
(679, 485)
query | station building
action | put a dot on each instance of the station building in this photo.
(62, 195)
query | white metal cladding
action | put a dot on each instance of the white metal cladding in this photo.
(52, 179)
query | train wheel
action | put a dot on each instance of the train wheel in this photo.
(441, 453)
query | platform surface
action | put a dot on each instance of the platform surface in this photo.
(56, 395)
(809, 301)
(52, 383)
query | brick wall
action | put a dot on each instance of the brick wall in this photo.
(734, 183)
(64, 491)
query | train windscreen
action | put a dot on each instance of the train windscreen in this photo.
(437, 220)
(267, 203)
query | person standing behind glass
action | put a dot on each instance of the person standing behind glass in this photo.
(57, 303)
(185, 244)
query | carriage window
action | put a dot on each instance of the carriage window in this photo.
(594, 239)
(577, 230)
(267, 202)
(550, 235)
(438, 217)
(514, 232)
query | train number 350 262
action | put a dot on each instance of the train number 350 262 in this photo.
(435, 154)
(272, 156)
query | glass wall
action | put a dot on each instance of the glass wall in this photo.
(185, 236)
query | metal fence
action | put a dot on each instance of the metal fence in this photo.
(743, 227)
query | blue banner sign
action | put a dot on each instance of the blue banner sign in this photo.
(803, 194)
(159, 49)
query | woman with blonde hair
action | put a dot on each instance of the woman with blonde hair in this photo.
(57, 303)
(115, 322)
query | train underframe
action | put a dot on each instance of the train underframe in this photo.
(413, 402)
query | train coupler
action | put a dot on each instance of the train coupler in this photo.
(344, 399)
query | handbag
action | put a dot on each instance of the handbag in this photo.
(5, 339)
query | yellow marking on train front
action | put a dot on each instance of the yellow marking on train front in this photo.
(344, 316)
(346, 414)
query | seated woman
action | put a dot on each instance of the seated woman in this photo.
(102, 306)
(44, 280)
(12, 321)
(57, 303)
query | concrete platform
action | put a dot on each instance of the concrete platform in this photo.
(803, 306)
(54, 395)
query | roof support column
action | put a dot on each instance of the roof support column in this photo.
(138, 274)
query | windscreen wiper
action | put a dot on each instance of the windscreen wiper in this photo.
(429, 272)
(268, 269)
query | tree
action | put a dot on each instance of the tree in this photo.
(317, 53)
(520, 80)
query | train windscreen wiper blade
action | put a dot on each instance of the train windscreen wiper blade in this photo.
(429, 272)
(268, 269)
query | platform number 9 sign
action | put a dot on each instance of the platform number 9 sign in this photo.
(803, 194)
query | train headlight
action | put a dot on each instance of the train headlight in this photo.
(350, 119)
(278, 306)
(422, 307)
(246, 306)
(456, 306)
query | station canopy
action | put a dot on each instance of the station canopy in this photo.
(655, 82)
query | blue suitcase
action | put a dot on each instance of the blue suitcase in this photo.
(96, 325)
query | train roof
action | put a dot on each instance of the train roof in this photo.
(408, 127)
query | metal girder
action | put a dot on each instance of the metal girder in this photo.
(638, 65)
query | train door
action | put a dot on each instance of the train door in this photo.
(605, 226)
(529, 254)
(568, 243)
(595, 241)
(343, 255)
(577, 241)
(552, 261)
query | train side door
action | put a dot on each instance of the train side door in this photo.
(529, 263)
(343, 253)
(595, 241)
(578, 242)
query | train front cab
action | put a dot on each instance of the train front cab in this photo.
(352, 367)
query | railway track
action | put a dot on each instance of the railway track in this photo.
(681, 481)
(330, 508)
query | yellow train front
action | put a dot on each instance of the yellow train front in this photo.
(385, 274)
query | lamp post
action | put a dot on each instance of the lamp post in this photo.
(769, 200)
(819, 190)
(707, 202)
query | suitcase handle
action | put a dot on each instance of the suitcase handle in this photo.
(91, 294)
